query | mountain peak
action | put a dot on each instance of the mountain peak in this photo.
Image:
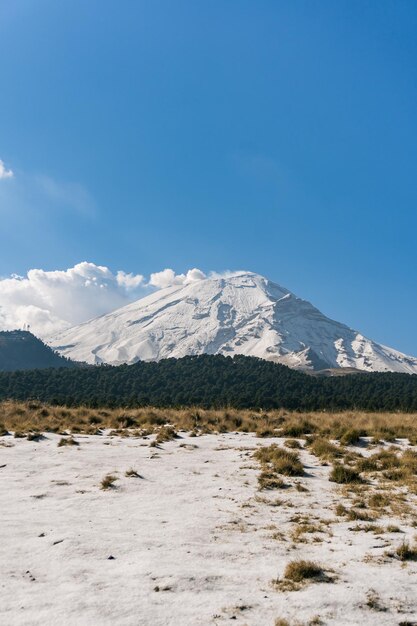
(235, 313)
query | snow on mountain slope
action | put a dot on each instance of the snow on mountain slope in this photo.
(241, 314)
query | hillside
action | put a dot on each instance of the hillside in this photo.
(20, 350)
(241, 314)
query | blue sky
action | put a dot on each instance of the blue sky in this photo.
(274, 136)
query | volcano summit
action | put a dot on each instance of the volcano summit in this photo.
(243, 313)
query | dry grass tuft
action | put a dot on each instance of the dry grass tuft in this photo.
(373, 601)
(298, 427)
(108, 482)
(392, 528)
(279, 460)
(132, 473)
(292, 443)
(409, 461)
(368, 528)
(300, 570)
(269, 480)
(378, 500)
(166, 433)
(341, 474)
(299, 531)
(405, 552)
(67, 441)
(325, 450)
(352, 437)
(359, 515)
(35, 436)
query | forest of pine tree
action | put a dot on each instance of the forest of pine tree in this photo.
(211, 381)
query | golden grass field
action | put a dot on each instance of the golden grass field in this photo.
(25, 417)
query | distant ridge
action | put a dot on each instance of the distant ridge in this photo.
(20, 350)
(243, 313)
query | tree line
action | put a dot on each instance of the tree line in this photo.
(211, 381)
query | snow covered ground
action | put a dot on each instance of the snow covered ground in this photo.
(190, 542)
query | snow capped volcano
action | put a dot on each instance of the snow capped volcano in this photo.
(243, 313)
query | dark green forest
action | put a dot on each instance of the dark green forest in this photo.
(210, 382)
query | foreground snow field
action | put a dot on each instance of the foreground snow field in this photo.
(190, 541)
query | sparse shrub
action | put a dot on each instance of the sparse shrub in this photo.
(280, 621)
(108, 482)
(300, 570)
(19, 435)
(3, 430)
(341, 474)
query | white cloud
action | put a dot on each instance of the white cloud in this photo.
(130, 281)
(194, 275)
(168, 278)
(54, 300)
(50, 301)
(4, 172)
